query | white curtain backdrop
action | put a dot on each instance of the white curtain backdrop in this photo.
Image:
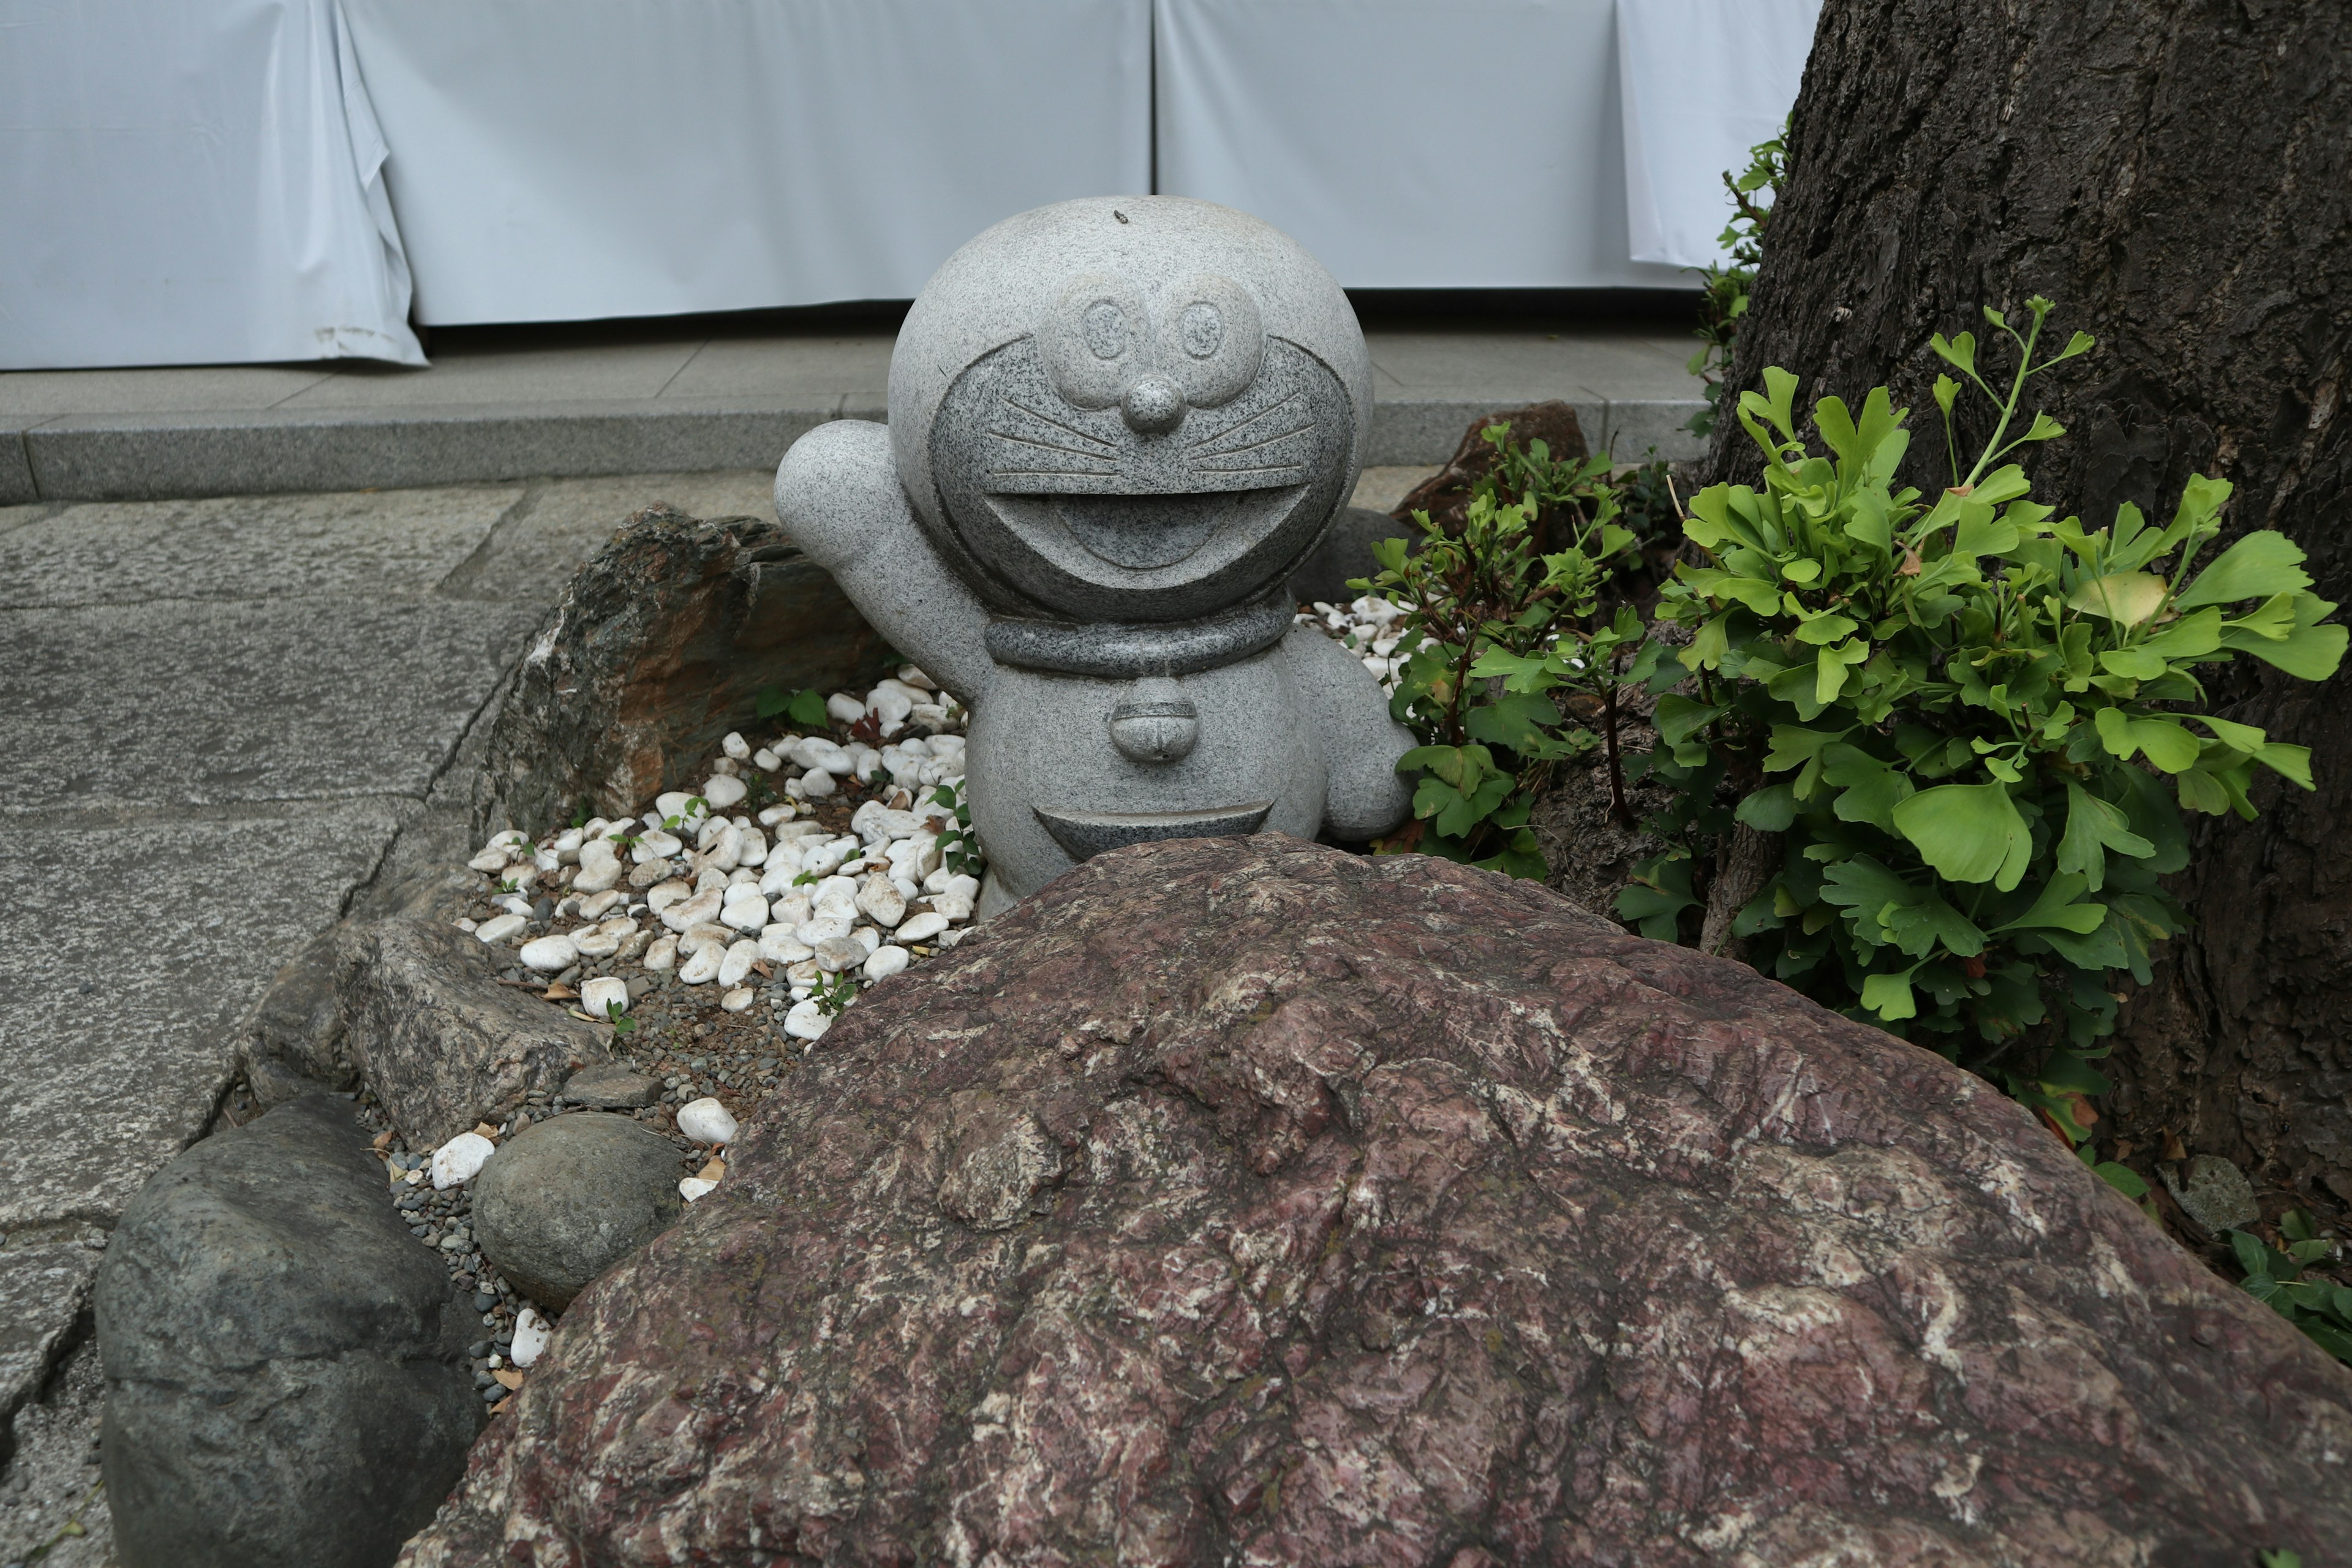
(560, 159)
(191, 183)
(208, 181)
(1408, 145)
(1705, 80)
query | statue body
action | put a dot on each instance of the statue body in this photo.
(1116, 425)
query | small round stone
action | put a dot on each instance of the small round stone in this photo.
(561, 1203)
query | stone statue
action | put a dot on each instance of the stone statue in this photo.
(1116, 426)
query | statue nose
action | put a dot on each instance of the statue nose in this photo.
(1153, 405)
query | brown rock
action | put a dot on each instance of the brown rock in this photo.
(1240, 1200)
(440, 1040)
(1446, 494)
(660, 645)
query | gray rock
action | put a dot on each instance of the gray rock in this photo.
(297, 1046)
(561, 1203)
(284, 1367)
(440, 1040)
(611, 1087)
(1117, 429)
(2215, 1193)
(660, 645)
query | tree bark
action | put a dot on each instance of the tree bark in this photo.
(2177, 175)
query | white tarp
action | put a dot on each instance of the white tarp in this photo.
(191, 183)
(1705, 80)
(562, 160)
(1409, 144)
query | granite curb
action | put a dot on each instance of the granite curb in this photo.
(153, 456)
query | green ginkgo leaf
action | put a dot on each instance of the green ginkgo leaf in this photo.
(1968, 832)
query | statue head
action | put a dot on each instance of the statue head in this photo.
(1129, 409)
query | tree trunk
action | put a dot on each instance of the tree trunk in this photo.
(2177, 175)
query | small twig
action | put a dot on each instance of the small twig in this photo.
(1617, 806)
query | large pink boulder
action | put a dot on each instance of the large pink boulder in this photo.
(1245, 1202)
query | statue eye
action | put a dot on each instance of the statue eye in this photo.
(1104, 327)
(1211, 339)
(1089, 341)
(1200, 329)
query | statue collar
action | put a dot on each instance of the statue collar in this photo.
(1132, 651)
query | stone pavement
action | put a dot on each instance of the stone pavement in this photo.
(643, 397)
(218, 720)
(222, 721)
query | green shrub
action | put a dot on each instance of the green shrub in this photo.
(2320, 1308)
(1493, 636)
(1966, 721)
(1723, 289)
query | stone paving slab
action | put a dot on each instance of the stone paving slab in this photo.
(195, 702)
(126, 975)
(43, 1289)
(116, 552)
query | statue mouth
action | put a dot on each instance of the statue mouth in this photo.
(1142, 532)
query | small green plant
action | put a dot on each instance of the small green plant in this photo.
(2320, 1308)
(1493, 634)
(805, 708)
(1723, 288)
(621, 1023)
(959, 845)
(832, 993)
(1960, 718)
(695, 807)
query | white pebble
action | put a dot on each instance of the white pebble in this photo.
(776, 815)
(662, 954)
(501, 927)
(705, 1120)
(766, 761)
(600, 867)
(702, 966)
(807, 1021)
(886, 960)
(705, 905)
(816, 781)
(737, 1000)
(914, 676)
(735, 745)
(549, 954)
(530, 1336)
(459, 1160)
(737, 964)
(842, 706)
(920, 928)
(491, 859)
(655, 844)
(723, 790)
(593, 906)
(692, 1187)
(670, 803)
(816, 751)
(778, 946)
(662, 895)
(748, 914)
(705, 933)
(605, 996)
(881, 901)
